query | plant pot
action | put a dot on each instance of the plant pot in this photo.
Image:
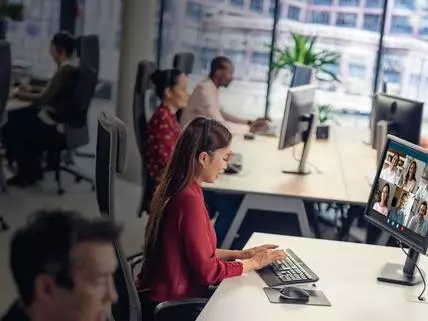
(323, 132)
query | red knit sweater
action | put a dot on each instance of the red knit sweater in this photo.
(186, 262)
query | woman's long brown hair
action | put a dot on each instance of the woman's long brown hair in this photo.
(200, 135)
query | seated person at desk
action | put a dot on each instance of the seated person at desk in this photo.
(391, 173)
(63, 267)
(28, 132)
(205, 100)
(381, 205)
(418, 224)
(181, 259)
(422, 192)
(163, 128)
(397, 214)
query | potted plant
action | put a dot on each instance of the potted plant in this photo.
(325, 113)
(303, 52)
(9, 11)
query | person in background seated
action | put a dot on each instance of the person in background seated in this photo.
(381, 205)
(418, 224)
(28, 132)
(391, 173)
(63, 267)
(163, 128)
(397, 213)
(181, 258)
(409, 182)
(205, 100)
(422, 192)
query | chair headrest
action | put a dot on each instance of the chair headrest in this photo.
(117, 128)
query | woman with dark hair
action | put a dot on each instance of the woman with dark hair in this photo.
(391, 173)
(409, 183)
(381, 205)
(181, 259)
(163, 128)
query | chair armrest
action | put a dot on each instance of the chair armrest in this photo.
(186, 309)
(134, 260)
(134, 256)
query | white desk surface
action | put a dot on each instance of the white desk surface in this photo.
(346, 164)
(15, 104)
(347, 273)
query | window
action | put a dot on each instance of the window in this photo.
(256, 5)
(371, 22)
(320, 17)
(260, 58)
(346, 19)
(293, 13)
(194, 11)
(374, 3)
(405, 4)
(272, 8)
(321, 2)
(357, 70)
(401, 25)
(206, 56)
(391, 76)
(238, 3)
(423, 26)
(349, 3)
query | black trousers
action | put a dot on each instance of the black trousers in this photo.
(26, 137)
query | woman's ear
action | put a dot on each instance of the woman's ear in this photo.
(168, 93)
(203, 159)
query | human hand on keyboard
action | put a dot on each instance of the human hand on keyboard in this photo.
(249, 253)
(262, 259)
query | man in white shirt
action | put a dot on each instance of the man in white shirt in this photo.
(205, 100)
(422, 192)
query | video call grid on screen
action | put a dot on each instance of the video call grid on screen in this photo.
(401, 193)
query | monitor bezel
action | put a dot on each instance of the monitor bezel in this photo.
(397, 235)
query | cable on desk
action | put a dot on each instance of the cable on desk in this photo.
(421, 296)
(307, 162)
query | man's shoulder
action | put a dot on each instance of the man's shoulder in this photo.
(15, 313)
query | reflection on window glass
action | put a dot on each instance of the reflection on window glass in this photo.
(346, 19)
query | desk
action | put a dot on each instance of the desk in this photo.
(347, 273)
(16, 104)
(345, 167)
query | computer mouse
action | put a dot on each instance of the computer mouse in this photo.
(294, 293)
(232, 169)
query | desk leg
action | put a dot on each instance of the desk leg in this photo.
(267, 203)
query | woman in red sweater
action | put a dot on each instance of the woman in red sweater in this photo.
(181, 259)
(163, 128)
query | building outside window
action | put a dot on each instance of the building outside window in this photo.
(256, 5)
(401, 25)
(319, 17)
(346, 19)
(371, 22)
(238, 3)
(293, 13)
(349, 3)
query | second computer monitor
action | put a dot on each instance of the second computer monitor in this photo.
(302, 75)
(403, 115)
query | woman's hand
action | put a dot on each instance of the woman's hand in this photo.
(262, 259)
(248, 254)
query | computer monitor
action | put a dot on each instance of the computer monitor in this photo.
(299, 123)
(302, 75)
(403, 115)
(398, 205)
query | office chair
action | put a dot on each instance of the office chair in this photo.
(5, 78)
(144, 106)
(82, 86)
(88, 51)
(184, 62)
(111, 160)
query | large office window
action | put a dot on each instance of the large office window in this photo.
(320, 17)
(401, 25)
(257, 5)
(349, 3)
(293, 13)
(346, 19)
(237, 29)
(371, 22)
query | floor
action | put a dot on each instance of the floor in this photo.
(18, 203)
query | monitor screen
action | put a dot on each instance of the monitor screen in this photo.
(398, 201)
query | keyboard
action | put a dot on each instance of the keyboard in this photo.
(291, 270)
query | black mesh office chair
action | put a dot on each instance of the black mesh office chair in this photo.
(144, 106)
(184, 62)
(5, 78)
(111, 160)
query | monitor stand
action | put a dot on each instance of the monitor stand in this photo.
(308, 139)
(399, 274)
